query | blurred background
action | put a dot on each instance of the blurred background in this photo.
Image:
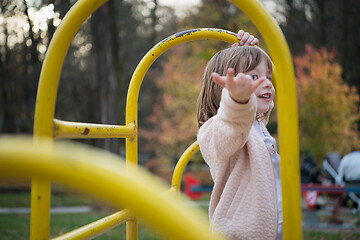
(323, 36)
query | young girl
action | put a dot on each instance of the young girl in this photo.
(233, 109)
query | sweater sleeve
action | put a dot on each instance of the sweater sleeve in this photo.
(225, 133)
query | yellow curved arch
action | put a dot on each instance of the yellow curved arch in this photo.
(147, 61)
(287, 114)
(181, 164)
(45, 106)
(53, 62)
(78, 166)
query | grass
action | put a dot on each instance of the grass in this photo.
(321, 235)
(22, 199)
(17, 226)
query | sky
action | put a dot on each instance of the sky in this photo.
(179, 5)
(40, 16)
(182, 6)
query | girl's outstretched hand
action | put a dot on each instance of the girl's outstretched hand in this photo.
(246, 39)
(240, 86)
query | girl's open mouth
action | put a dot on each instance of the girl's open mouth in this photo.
(265, 96)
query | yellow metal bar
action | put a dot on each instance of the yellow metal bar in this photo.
(132, 229)
(172, 191)
(65, 129)
(287, 114)
(45, 106)
(138, 76)
(181, 164)
(99, 227)
(40, 208)
(78, 166)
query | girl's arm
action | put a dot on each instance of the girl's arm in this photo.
(225, 133)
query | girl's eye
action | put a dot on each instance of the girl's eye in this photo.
(269, 78)
(254, 77)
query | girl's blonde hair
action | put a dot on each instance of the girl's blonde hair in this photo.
(241, 59)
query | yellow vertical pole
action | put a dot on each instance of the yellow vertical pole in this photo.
(287, 114)
(131, 145)
(40, 209)
(45, 107)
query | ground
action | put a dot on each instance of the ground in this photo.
(16, 225)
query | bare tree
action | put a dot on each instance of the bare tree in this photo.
(103, 45)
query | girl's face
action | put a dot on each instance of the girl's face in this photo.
(265, 93)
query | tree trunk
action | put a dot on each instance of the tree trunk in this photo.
(34, 40)
(8, 124)
(103, 46)
(154, 22)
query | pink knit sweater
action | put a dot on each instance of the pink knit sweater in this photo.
(243, 203)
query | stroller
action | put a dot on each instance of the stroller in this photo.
(345, 171)
(309, 171)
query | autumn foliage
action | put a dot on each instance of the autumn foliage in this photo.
(328, 108)
(173, 119)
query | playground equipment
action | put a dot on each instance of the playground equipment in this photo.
(79, 167)
(45, 126)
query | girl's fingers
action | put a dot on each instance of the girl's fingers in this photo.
(230, 73)
(244, 38)
(224, 81)
(258, 82)
(250, 39)
(218, 79)
(241, 80)
(255, 42)
(230, 77)
(240, 34)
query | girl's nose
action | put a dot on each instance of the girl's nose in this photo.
(267, 83)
